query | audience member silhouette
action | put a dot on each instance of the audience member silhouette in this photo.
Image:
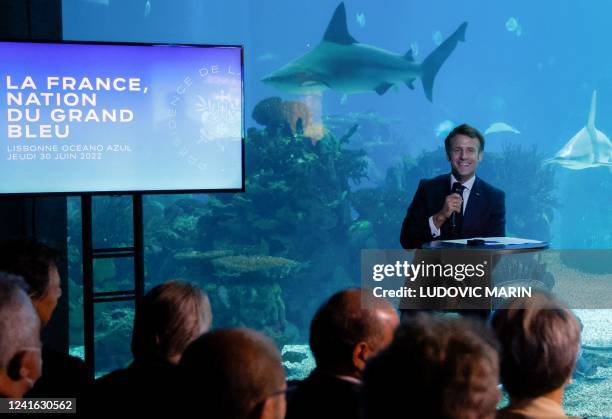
(234, 374)
(20, 360)
(171, 316)
(347, 330)
(62, 375)
(540, 339)
(435, 368)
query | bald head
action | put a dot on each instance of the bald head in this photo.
(19, 338)
(351, 320)
(238, 371)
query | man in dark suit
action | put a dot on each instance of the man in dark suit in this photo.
(456, 205)
(347, 330)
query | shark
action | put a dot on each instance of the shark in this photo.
(588, 148)
(341, 63)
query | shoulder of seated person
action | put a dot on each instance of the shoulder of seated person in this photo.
(60, 363)
(49, 354)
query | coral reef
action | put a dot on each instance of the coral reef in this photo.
(113, 332)
(297, 361)
(283, 117)
(269, 256)
(530, 190)
(376, 135)
(267, 266)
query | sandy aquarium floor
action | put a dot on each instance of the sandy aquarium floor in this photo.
(590, 295)
(592, 395)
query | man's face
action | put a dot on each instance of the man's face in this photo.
(45, 305)
(464, 156)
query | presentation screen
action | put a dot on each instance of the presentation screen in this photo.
(77, 117)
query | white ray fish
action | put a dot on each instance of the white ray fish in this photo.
(501, 127)
(444, 128)
(588, 148)
(360, 18)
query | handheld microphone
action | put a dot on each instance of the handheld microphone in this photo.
(457, 188)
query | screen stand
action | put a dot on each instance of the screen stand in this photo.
(90, 297)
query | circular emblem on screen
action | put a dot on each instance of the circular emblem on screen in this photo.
(205, 115)
(219, 116)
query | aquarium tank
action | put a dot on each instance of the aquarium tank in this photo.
(334, 153)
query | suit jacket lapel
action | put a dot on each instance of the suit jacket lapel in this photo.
(475, 206)
(444, 190)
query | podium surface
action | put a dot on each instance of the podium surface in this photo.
(491, 244)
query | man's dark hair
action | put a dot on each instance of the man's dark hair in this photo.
(341, 323)
(230, 372)
(172, 315)
(435, 368)
(540, 339)
(464, 129)
(31, 260)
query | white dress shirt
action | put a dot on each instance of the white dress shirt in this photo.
(468, 185)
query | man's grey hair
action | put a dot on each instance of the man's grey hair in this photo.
(19, 323)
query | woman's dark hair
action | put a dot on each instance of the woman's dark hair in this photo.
(31, 260)
(172, 315)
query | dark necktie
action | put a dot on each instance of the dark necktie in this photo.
(456, 231)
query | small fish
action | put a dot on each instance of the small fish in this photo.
(437, 37)
(147, 10)
(343, 99)
(414, 47)
(501, 127)
(360, 18)
(444, 128)
(513, 25)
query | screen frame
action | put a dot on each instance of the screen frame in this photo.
(144, 191)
